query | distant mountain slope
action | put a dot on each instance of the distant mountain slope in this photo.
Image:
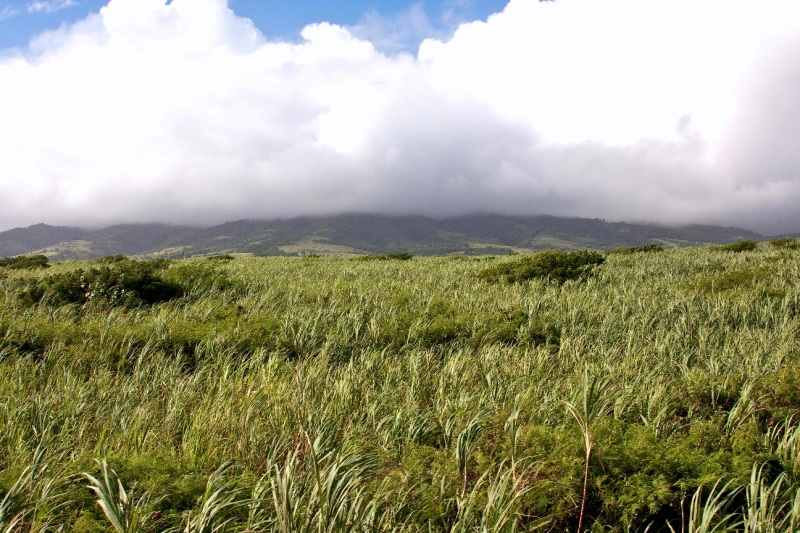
(594, 233)
(23, 240)
(358, 234)
(133, 239)
(421, 235)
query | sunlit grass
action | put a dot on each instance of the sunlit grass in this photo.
(336, 394)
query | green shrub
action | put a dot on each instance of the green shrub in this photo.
(125, 283)
(25, 262)
(403, 256)
(111, 259)
(637, 249)
(221, 257)
(553, 265)
(787, 243)
(740, 246)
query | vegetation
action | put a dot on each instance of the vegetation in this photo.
(25, 262)
(739, 246)
(120, 282)
(649, 392)
(787, 243)
(552, 265)
(647, 248)
(481, 234)
(402, 256)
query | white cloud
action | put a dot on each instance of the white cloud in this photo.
(400, 32)
(50, 6)
(672, 111)
(9, 11)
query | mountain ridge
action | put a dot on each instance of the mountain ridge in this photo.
(358, 234)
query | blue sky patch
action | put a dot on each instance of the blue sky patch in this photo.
(392, 25)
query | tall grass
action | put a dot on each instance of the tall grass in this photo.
(660, 391)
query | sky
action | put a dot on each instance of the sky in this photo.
(409, 22)
(203, 111)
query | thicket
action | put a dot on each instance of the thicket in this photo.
(22, 262)
(333, 394)
(402, 256)
(552, 265)
(647, 248)
(739, 246)
(119, 282)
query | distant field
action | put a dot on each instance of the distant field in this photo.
(337, 394)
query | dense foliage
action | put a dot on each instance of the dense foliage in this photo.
(656, 390)
(647, 248)
(552, 265)
(739, 246)
(118, 282)
(402, 256)
(25, 262)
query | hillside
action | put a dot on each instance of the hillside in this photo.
(25, 240)
(358, 234)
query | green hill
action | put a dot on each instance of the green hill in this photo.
(358, 234)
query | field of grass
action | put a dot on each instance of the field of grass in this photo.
(660, 390)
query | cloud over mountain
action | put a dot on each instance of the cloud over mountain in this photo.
(183, 112)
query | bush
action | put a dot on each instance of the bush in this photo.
(125, 283)
(787, 243)
(741, 246)
(222, 257)
(553, 265)
(637, 249)
(403, 256)
(111, 259)
(25, 262)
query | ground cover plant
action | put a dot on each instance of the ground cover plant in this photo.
(647, 248)
(739, 246)
(25, 262)
(552, 265)
(786, 242)
(647, 392)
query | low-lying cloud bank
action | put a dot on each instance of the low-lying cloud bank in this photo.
(672, 112)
